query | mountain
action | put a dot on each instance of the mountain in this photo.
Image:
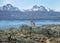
(39, 8)
(8, 7)
(36, 12)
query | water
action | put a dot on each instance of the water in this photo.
(17, 23)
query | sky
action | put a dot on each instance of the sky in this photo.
(26, 4)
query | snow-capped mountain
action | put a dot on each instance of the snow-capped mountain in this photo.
(38, 8)
(36, 12)
(8, 7)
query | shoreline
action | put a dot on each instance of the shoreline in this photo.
(26, 34)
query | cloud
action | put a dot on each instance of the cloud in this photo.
(7, 2)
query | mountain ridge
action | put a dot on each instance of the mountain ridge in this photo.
(8, 7)
(36, 12)
(12, 8)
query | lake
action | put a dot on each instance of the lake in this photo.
(17, 23)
